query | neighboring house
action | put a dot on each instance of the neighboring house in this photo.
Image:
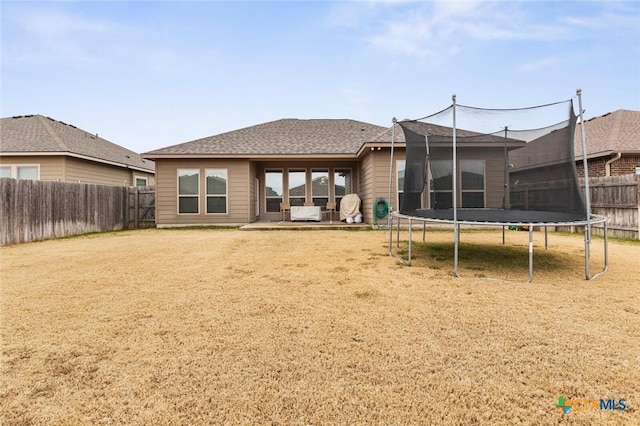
(613, 144)
(41, 148)
(242, 176)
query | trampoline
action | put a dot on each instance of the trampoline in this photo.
(521, 175)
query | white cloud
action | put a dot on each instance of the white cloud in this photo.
(43, 33)
(540, 64)
(439, 29)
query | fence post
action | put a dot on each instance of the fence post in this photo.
(136, 207)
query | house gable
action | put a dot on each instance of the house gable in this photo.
(36, 135)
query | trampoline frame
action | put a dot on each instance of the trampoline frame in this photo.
(587, 222)
(594, 219)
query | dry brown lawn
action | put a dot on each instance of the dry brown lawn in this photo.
(313, 328)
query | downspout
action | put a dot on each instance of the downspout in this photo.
(607, 165)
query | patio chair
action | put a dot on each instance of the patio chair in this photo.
(329, 209)
(284, 208)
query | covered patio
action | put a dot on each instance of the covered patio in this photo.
(287, 225)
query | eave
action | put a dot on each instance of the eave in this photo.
(343, 156)
(74, 155)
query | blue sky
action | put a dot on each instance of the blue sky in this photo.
(149, 74)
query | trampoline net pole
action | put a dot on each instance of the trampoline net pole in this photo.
(530, 253)
(389, 218)
(454, 184)
(587, 194)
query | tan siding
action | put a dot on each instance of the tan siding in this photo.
(494, 179)
(367, 173)
(85, 171)
(51, 167)
(253, 174)
(374, 180)
(167, 194)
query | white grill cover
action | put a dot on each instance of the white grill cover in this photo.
(350, 206)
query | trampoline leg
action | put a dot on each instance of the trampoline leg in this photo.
(587, 252)
(424, 232)
(410, 242)
(456, 238)
(390, 223)
(546, 238)
(503, 239)
(606, 254)
(530, 254)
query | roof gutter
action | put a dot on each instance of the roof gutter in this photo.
(74, 155)
(607, 165)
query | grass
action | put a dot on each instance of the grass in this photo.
(211, 326)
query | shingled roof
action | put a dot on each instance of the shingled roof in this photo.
(37, 134)
(617, 131)
(283, 137)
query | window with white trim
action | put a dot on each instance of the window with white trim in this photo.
(297, 187)
(273, 191)
(441, 184)
(472, 183)
(188, 191)
(141, 181)
(400, 167)
(216, 190)
(320, 187)
(17, 171)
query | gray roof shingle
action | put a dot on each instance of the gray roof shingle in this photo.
(283, 137)
(617, 131)
(38, 134)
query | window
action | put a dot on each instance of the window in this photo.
(341, 184)
(400, 167)
(188, 191)
(141, 181)
(441, 184)
(216, 190)
(320, 187)
(273, 190)
(20, 172)
(297, 187)
(472, 185)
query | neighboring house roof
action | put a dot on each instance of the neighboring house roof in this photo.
(442, 135)
(617, 131)
(283, 137)
(39, 135)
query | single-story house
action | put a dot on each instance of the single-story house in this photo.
(613, 144)
(243, 176)
(41, 148)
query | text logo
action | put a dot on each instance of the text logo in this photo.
(589, 404)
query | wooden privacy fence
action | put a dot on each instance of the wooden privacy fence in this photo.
(618, 198)
(141, 212)
(36, 210)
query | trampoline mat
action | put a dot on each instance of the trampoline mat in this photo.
(498, 216)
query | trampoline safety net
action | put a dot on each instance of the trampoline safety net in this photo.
(512, 165)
